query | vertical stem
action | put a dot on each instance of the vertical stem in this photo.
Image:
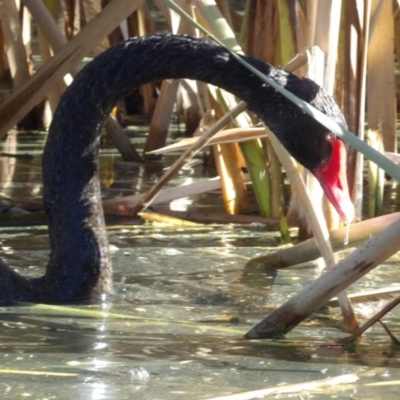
(359, 167)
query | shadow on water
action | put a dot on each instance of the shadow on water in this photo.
(161, 335)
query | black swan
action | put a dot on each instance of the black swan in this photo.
(79, 265)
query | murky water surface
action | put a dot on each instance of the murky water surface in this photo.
(183, 299)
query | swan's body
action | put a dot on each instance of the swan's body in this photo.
(79, 264)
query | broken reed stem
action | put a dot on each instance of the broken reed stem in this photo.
(189, 153)
(320, 231)
(167, 219)
(320, 291)
(234, 135)
(126, 204)
(372, 321)
(308, 250)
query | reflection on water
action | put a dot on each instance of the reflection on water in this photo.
(161, 335)
(20, 171)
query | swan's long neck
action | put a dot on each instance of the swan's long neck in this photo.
(79, 264)
(71, 188)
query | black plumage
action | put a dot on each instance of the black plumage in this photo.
(79, 264)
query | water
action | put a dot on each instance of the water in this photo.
(183, 298)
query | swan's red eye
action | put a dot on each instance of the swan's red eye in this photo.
(330, 136)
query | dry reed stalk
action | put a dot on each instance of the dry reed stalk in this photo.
(221, 218)
(316, 221)
(15, 49)
(319, 386)
(161, 118)
(121, 140)
(89, 10)
(233, 186)
(127, 204)
(372, 321)
(166, 100)
(227, 157)
(26, 25)
(233, 135)
(323, 33)
(380, 78)
(252, 151)
(338, 278)
(190, 105)
(53, 97)
(49, 35)
(370, 295)
(146, 19)
(74, 16)
(261, 23)
(34, 90)
(376, 176)
(131, 205)
(286, 43)
(8, 165)
(358, 104)
(141, 28)
(298, 62)
(49, 28)
(349, 68)
(229, 162)
(149, 197)
(278, 206)
(308, 250)
(312, 7)
(396, 12)
(350, 83)
(167, 219)
(57, 40)
(315, 68)
(4, 68)
(327, 38)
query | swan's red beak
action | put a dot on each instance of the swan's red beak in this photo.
(333, 179)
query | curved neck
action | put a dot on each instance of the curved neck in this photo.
(71, 189)
(79, 264)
